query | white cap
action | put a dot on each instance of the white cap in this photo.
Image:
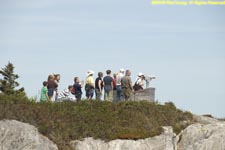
(122, 70)
(90, 72)
(140, 74)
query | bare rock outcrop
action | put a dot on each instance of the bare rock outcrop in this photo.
(208, 134)
(15, 135)
(165, 141)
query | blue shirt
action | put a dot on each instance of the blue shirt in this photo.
(77, 88)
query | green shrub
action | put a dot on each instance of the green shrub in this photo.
(67, 121)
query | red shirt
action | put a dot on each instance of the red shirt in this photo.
(114, 83)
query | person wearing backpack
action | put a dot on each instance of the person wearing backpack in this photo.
(138, 85)
(77, 88)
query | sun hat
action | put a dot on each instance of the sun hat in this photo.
(90, 72)
(122, 70)
(140, 74)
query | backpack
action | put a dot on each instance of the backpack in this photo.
(87, 87)
(136, 87)
(73, 90)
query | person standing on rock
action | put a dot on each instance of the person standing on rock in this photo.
(77, 86)
(114, 86)
(52, 86)
(90, 85)
(126, 85)
(118, 85)
(44, 92)
(108, 86)
(98, 86)
(57, 78)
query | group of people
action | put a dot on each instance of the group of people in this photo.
(49, 91)
(116, 88)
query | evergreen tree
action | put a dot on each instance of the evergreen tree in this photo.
(8, 84)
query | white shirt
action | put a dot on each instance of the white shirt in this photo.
(139, 81)
(118, 78)
(64, 94)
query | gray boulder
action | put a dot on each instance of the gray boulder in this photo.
(208, 134)
(15, 135)
(205, 119)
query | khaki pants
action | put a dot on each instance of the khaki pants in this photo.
(126, 93)
(98, 94)
(108, 96)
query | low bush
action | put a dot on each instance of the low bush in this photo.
(66, 121)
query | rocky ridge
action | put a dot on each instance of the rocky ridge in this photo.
(207, 134)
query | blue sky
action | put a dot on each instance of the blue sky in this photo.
(183, 46)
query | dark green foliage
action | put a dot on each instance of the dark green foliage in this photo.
(221, 119)
(9, 84)
(67, 121)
